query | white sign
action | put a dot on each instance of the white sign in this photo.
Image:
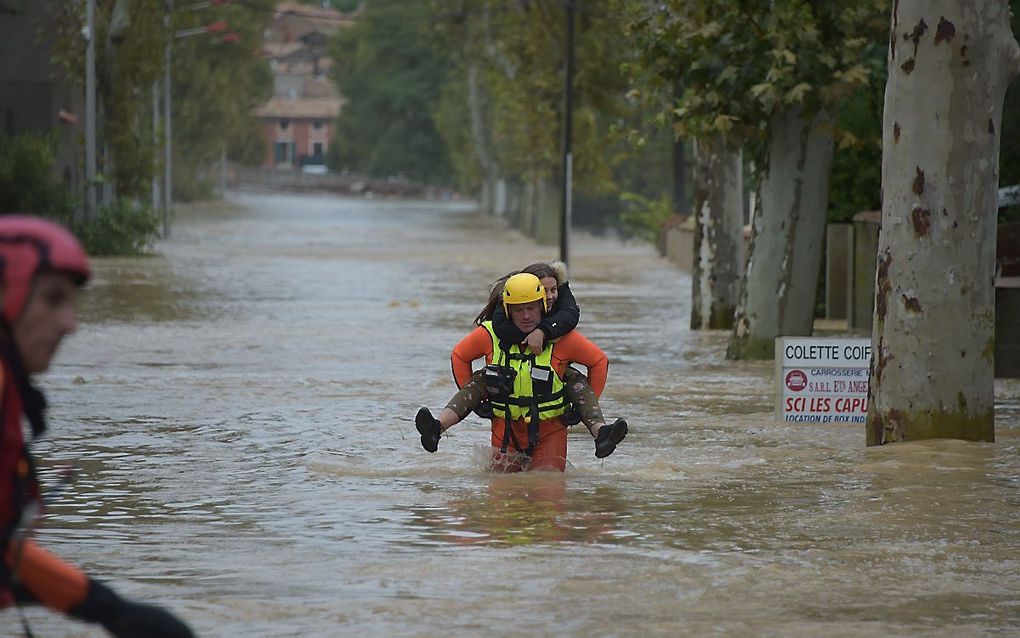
(822, 380)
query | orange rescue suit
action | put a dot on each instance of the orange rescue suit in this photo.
(42, 576)
(573, 347)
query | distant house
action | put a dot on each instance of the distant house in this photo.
(298, 129)
(298, 121)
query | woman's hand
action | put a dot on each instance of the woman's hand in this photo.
(535, 340)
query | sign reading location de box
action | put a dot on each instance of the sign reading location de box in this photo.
(822, 380)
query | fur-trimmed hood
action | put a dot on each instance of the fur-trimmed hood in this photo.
(561, 271)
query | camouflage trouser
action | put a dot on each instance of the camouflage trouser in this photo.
(575, 387)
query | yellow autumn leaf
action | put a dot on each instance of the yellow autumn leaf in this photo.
(784, 55)
(797, 93)
(847, 140)
(723, 123)
(729, 73)
(854, 75)
(758, 89)
(709, 30)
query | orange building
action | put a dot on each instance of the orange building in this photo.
(298, 130)
(298, 121)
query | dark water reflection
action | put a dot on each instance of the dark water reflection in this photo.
(237, 412)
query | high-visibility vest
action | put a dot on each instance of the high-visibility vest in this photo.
(532, 372)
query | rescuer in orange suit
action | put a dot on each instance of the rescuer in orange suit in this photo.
(41, 267)
(526, 390)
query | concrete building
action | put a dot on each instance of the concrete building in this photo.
(34, 95)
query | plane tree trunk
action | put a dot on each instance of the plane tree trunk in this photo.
(718, 239)
(778, 293)
(933, 339)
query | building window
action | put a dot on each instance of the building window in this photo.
(284, 124)
(317, 124)
(283, 152)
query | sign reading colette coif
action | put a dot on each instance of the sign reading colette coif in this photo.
(822, 380)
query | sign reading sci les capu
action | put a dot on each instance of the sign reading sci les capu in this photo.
(822, 380)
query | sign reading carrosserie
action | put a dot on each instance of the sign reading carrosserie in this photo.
(822, 380)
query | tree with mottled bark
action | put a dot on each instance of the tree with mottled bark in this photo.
(719, 234)
(933, 339)
(778, 295)
(678, 48)
(817, 53)
(765, 79)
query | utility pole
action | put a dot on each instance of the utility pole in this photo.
(155, 141)
(90, 110)
(568, 134)
(223, 172)
(168, 155)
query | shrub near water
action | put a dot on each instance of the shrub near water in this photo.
(26, 181)
(642, 216)
(121, 228)
(27, 186)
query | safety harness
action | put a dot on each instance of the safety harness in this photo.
(522, 386)
(22, 484)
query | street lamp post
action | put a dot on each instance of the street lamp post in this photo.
(90, 109)
(568, 133)
(168, 156)
(156, 197)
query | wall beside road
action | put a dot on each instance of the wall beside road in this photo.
(272, 179)
(851, 256)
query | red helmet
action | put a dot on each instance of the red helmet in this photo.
(29, 245)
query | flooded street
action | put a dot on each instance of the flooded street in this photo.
(238, 411)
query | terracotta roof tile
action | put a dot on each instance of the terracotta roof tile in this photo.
(315, 108)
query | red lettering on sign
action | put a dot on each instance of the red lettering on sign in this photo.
(819, 404)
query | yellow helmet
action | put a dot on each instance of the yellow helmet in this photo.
(522, 288)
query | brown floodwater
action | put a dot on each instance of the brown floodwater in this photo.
(238, 413)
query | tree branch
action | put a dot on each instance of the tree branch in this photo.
(752, 21)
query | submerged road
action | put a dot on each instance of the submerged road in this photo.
(238, 410)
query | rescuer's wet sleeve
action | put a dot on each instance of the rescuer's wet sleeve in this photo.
(476, 345)
(41, 578)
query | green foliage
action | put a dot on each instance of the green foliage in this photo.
(740, 61)
(128, 60)
(391, 77)
(516, 52)
(216, 87)
(643, 217)
(121, 228)
(453, 123)
(194, 185)
(27, 186)
(26, 182)
(856, 179)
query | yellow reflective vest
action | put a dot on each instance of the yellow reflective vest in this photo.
(532, 373)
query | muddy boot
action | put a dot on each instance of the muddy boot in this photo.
(608, 438)
(429, 429)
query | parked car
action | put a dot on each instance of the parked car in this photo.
(314, 164)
